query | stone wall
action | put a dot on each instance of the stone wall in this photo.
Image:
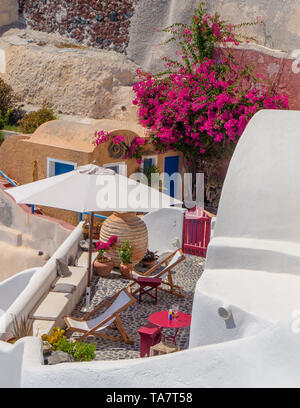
(8, 12)
(278, 68)
(279, 26)
(102, 24)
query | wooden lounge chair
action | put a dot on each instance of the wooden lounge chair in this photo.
(109, 318)
(165, 274)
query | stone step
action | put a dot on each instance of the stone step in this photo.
(52, 307)
(41, 327)
(55, 305)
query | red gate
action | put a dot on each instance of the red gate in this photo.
(196, 232)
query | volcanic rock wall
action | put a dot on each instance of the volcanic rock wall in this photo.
(97, 23)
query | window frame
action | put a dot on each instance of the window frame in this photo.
(154, 159)
(121, 165)
(51, 161)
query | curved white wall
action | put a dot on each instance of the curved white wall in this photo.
(270, 359)
(12, 287)
(253, 257)
(261, 193)
(23, 236)
(257, 223)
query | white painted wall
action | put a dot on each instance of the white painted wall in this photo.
(11, 357)
(269, 359)
(253, 257)
(12, 287)
(23, 235)
(165, 228)
(39, 283)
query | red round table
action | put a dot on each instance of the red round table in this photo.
(161, 319)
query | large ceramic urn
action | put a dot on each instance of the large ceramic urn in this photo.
(126, 226)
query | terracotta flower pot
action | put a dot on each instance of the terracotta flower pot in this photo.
(103, 268)
(126, 270)
(126, 226)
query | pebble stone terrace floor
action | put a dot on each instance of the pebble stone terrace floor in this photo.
(187, 274)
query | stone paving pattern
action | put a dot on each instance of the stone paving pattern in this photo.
(97, 23)
(136, 316)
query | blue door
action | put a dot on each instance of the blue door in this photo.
(61, 168)
(171, 167)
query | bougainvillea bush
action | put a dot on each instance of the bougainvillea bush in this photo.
(201, 105)
(201, 112)
(132, 149)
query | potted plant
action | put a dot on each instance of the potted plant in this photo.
(103, 263)
(20, 328)
(149, 258)
(125, 253)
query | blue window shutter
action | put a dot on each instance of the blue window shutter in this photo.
(61, 168)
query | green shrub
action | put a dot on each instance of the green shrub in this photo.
(15, 115)
(65, 345)
(33, 120)
(84, 351)
(7, 98)
(125, 253)
(1, 138)
(80, 351)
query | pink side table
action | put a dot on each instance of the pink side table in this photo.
(151, 283)
(161, 319)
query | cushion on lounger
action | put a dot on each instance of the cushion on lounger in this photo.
(64, 288)
(62, 269)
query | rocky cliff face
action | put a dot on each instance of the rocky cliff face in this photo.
(97, 23)
(76, 81)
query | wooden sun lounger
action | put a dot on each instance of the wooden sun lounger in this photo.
(166, 274)
(108, 319)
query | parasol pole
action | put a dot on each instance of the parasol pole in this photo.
(87, 307)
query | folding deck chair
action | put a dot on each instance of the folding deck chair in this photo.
(110, 317)
(166, 274)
